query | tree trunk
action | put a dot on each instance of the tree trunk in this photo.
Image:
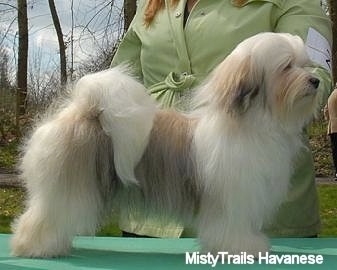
(22, 61)
(333, 16)
(62, 47)
(130, 7)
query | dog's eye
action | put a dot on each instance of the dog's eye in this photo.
(288, 66)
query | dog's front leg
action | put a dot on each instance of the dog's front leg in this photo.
(230, 228)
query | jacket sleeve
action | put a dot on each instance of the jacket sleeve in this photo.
(301, 17)
(128, 51)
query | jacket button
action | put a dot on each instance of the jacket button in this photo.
(178, 14)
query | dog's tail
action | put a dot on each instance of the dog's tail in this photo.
(109, 109)
(125, 112)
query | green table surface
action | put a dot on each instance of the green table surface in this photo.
(147, 253)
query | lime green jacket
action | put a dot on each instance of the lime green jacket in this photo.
(171, 58)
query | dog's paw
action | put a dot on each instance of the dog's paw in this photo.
(34, 239)
(254, 244)
(22, 247)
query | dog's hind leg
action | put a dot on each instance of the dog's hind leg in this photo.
(68, 161)
(59, 170)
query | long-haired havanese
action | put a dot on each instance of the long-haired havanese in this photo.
(225, 166)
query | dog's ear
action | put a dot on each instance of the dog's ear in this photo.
(237, 83)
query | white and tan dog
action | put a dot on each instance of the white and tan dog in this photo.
(226, 165)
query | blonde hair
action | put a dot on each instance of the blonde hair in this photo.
(154, 6)
(239, 3)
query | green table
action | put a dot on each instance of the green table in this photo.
(147, 254)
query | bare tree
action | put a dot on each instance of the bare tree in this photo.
(104, 28)
(333, 16)
(43, 81)
(7, 97)
(130, 7)
(4, 69)
(98, 62)
(22, 60)
(62, 47)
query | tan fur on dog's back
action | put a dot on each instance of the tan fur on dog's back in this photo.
(168, 162)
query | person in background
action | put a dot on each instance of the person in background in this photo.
(331, 116)
(173, 45)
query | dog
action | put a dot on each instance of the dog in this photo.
(224, 166)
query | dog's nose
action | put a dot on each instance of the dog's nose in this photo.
(314, 81)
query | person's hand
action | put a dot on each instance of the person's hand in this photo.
(326, 112)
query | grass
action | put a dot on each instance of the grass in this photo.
(328, 209)
(11, 204)
(8, 155)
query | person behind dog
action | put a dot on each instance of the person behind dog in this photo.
(331, 115)
(173, 45)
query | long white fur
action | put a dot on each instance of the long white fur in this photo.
(125, 114)
(238, 147)
(247, 169)
(59, 165)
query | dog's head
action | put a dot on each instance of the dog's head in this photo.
(265, 72)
